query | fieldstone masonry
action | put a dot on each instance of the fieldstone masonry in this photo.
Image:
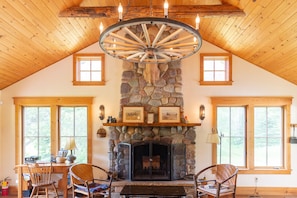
(164, 90)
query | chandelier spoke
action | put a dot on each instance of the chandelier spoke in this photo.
(192, 44)
(144, 57)
(121, 44)
(170, 36)
(124, 39)
(178, 40)
(146, 34)
(135, 55)
(159, 34)
(164, 56)
(134, 36)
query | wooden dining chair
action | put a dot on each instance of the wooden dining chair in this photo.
(40, 176)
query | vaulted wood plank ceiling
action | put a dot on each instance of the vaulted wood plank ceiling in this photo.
(33, 35)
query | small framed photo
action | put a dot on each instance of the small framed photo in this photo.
(133, 114)
(169, 114)
(150, 118)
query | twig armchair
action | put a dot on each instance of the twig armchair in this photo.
(90, 180)
(221, 181)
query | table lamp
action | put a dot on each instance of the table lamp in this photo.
(70, 145)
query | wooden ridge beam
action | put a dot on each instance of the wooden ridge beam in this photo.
(175, 11)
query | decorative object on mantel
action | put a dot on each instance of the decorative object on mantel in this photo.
(293, 139)
(169, 114)
(151, 40)
(150, 118)
(133, 114)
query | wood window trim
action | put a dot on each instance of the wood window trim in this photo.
(88, 83)
(250, 103)
(53, 103)
(214, 83)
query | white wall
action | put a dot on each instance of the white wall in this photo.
(56, 80)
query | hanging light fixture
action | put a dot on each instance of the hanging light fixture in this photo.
(151, 39)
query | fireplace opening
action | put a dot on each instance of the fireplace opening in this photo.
(150, 161)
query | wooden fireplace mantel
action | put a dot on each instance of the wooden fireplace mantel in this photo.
(119, 124)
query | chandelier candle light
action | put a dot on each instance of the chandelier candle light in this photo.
(150, 39)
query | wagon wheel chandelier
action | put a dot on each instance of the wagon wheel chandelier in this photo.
(150, 39)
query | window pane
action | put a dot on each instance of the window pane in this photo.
(85, 76)
(208, 76)
(81, 121)
(268, 130)
(209, 65)
(220, 65)
(96, 76)
(220, 76)
(44, 122)
(67, 121)
(81, 151)
(31, 146)
(96, 65)
(231, 128)
(37, 132)
(73, 123)
(85, 65)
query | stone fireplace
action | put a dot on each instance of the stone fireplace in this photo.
(157, 151)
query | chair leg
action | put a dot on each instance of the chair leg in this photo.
(32, 193)
(55, 189)
(46, 192)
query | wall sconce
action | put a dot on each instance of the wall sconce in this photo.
(202, 112)
(101, 112)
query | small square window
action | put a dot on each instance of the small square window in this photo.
(88, 69)
(215, 69)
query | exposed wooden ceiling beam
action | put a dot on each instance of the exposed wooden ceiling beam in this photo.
(180, 11)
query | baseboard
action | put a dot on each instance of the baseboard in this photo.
(266, 191)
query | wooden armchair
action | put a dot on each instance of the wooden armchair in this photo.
(221, 182)
(90, 180)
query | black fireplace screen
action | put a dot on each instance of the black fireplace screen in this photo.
(150, 161)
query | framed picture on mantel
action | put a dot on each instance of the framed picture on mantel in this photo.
(133, 114)
(169, 114)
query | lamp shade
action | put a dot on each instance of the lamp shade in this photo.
(70, 144)
(213, 138)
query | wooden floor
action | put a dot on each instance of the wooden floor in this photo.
(270, 196)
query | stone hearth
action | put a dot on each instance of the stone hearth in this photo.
(164, 88)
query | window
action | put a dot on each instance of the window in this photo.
(215, 69)
(73, 123)
(253, 133)
(88, 69)
(268, 136)
(43, 126)
(232, 130)
(37, 135)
